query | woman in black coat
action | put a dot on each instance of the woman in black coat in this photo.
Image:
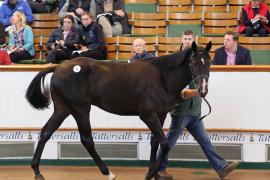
(93, 43)
(63, 41)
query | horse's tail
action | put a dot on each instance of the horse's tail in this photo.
(37, 94)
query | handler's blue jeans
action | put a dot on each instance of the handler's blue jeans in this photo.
(197, 130)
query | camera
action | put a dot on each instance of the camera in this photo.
(256, 24)
(59, 46)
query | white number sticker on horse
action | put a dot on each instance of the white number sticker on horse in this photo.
(77, 68)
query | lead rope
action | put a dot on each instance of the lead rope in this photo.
(210, 109)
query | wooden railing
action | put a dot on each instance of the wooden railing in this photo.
(214, 68)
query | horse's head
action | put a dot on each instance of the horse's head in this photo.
(199, 63)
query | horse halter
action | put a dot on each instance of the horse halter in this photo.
(195, 79)
(199, 77)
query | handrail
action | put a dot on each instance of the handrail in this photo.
(214, 68)
(25, 67)
(240, 68)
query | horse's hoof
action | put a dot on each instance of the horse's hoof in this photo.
(111, 176)
(150, 175)
(147, 177)
(39, 177)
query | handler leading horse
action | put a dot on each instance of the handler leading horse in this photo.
(147, 88)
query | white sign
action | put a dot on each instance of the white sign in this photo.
(136, 136)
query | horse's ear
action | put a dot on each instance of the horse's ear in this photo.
(208, 46)
(194, 46)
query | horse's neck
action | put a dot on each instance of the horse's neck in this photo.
(175, 72)
(177, 79)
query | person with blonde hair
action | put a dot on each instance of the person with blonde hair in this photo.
(139, 50)
(6, 11)
(21, 43)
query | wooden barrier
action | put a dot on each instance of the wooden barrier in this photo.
(214, 68)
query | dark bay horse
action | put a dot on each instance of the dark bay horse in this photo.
(147, 88)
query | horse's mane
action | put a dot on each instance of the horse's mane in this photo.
(172, 60)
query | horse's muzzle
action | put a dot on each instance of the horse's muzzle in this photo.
(203, 86)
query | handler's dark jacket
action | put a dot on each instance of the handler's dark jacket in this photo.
(117, 5)
(72, 39)
(190, 106)
(93, 37)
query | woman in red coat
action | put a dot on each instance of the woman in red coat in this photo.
(4, 58)
(255, 19)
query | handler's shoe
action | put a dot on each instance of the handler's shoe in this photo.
(228, 169)
(163, 176)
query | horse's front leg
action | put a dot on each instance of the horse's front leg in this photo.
(155, 125)
(154, 145)
(54, 122)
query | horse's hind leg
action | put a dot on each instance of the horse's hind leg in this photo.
(82, 118)
(155, 125)
(54, 122)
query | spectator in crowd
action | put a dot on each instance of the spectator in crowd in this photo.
(21, 43)
(42, 6)
(60, 4)
(4, 58)
(93, 43)
(63, 41)
(232, 53)
(255, 19)
(1, 2)
(112, 17)
(186, 114)
(76, 8)
(139, 50)
(6, 11)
